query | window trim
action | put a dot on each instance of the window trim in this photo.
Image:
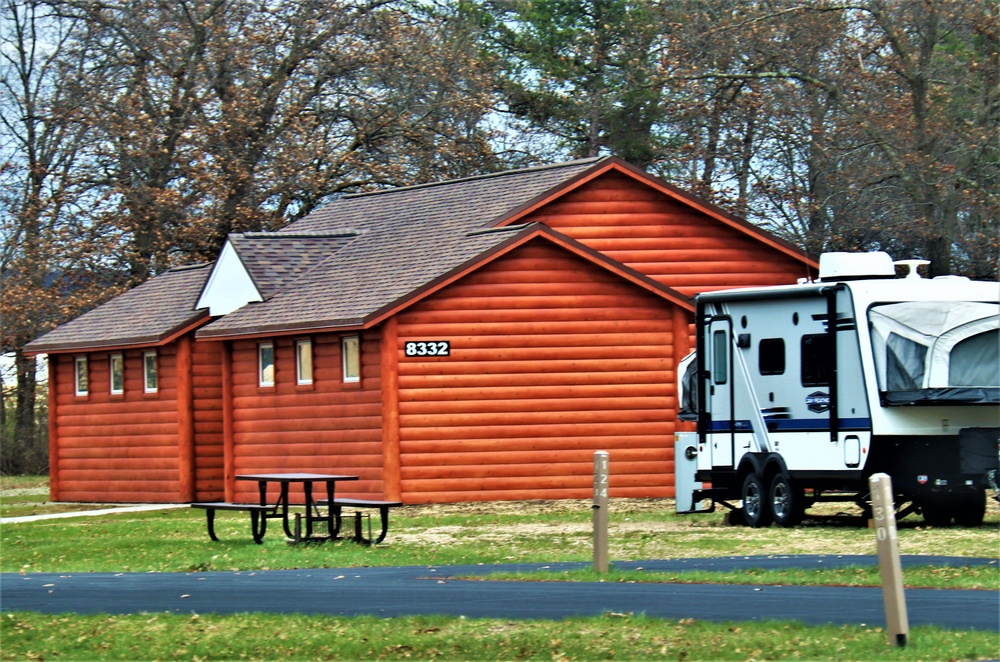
(261, 380)
(301, 346)
(79, 361)
(146, 356)
(116, 359)
(346, 343)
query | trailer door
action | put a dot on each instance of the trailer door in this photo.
(719, 402)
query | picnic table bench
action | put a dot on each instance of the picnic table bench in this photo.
(259, 514)
(338, 504)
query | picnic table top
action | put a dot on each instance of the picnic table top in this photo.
(295, 477)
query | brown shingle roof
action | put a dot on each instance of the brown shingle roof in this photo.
(275, 259)
(145, 315)
(407, 238)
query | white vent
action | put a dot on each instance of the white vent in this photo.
(851, 266)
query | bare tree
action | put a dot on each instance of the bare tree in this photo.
(44, 270)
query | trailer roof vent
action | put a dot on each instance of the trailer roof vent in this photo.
(855, 266)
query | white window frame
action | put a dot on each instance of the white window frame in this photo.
(116, 372)
(304, 364)
(81, 375)
(150, 358)
(350, 347)
(262, 378)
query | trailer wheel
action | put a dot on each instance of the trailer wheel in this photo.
(787, 501)
(936, 513)
(970, 510)
(755, 502)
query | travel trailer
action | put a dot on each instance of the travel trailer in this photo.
(802, 392)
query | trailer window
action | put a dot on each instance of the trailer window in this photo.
(975, 361)
(720, 362)
(815, 360)
(771, 356)
(904, 363)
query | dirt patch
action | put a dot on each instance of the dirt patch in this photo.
(649, 528)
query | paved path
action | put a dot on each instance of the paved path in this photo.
(111, 510)
(438, 590)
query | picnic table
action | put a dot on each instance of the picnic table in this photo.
(262, 511)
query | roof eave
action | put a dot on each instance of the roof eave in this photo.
(126, 342)
(276, 330)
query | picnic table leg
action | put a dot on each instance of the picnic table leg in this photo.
(307, 487)
(332, 523)
(258, 524)
(384, 512)
(337, 518)
(358, 535)
(283, 499)
(210, 520)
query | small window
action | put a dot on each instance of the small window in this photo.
(771, 356)
(150, 378)
(265, 362)
(81, 375)
(303, 362)
(352, 359)
(117, 374)
(720, 357)
(816, 357)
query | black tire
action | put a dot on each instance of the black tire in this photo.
(756, 509)
(787, 501)
(971, 510)
(936, 513)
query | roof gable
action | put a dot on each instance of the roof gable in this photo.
(151, 314)
(406, 238)
(253, 266)
(614, 164)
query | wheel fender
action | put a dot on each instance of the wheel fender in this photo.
(749, 463)
(774, 464)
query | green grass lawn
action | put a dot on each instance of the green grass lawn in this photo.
(544, 532)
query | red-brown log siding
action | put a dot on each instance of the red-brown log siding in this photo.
(127, 448)
(551, 360)
(326, 427)
(665, 239)
(117, 448)
(206, 382)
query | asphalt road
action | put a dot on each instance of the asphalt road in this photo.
(441, 590)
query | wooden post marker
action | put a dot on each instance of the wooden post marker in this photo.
(600, 511)
(890, 569)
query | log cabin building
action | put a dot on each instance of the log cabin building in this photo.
(469, 340)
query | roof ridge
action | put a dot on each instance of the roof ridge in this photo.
(489, 175)
(475, 232)
(189, 267)
(294, 234)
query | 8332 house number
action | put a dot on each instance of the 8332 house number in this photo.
(427, 348)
